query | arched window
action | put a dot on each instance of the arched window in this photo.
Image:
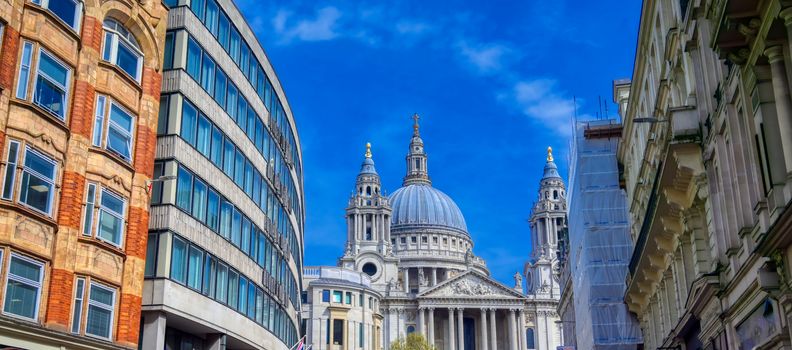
(410, 329)
(529, 338)
(368, 190)
(555, 194)
(121, 49)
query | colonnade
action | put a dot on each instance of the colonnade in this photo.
(486, 327)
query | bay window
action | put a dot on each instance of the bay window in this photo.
(94, 317)
(121, 49)
(109, 209)
(99, 318)
(50, 83)
(37, 183)
(113, 127)
(23, 287)
(69, 11)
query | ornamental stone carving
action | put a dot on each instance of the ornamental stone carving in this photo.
(464, 287)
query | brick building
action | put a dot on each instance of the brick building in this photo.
(79, 96)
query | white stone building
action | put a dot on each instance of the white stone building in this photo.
(415, 247)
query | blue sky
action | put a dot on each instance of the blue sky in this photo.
(493, 81)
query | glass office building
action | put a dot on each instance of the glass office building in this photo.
(225, 237)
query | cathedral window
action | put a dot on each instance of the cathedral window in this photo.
(368, 190)
(529, 338)
(434, 240)
(403, 240)
(370, 269)
(555, 194)
(424, 239)
(414, 239)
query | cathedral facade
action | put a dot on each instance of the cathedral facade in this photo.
(411, 256)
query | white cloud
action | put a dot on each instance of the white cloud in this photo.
(320, 28)
(541, 100)
(409, 27)
(485, 58)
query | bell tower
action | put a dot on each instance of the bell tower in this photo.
(368, 217)
(548, 222)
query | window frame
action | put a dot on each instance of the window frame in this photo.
(100, 305)
(77, 311)
(93, 201)
(103, 123)
(39, 286)
(10, 175)
(78, 9)
(66, 87)
(52, 182)
(116, 40)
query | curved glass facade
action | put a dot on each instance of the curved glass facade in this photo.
(226, 229)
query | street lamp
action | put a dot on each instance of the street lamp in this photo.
(151, 182)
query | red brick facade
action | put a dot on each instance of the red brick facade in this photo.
(137, 232)
(129, 319)
(59, 303)
(71, 200)
(82, 114)
(8, 57)
(56, 240)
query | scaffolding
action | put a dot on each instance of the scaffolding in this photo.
(599, 240)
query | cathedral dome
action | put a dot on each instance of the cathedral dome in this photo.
(421, 205)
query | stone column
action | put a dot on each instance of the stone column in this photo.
(493, 330)
(216, 341)
(430, 335)
(461, 327)
(775, 55)
(421, 319)
(434, 276)
(400, 324)
(451, 332)
(330, 332)
(483, 327)
(407, 280)
(521, 329)
(512, 330)
(153, 330)
(392, 330)
(350, 335)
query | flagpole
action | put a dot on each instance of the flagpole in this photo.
(298, 342)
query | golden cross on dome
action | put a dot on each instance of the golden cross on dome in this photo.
(549, 154)
(368, 149)
(415, 118)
